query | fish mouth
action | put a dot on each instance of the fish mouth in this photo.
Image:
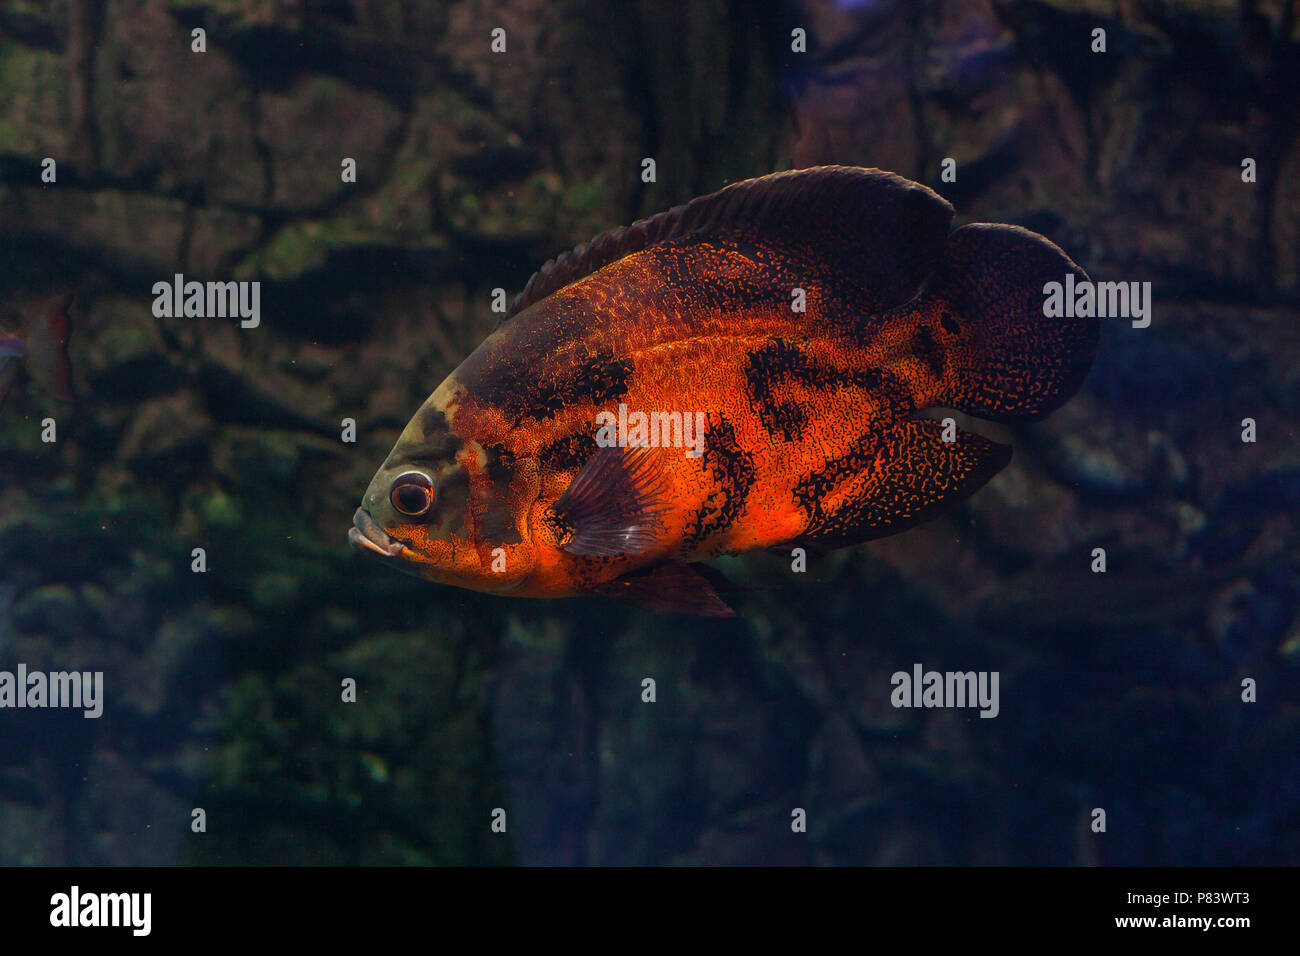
(366, 535)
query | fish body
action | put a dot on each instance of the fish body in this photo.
(804, 319)
(44, 350)
(12, 345)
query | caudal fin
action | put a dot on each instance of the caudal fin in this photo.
(1006, 361)
(47, 350)
(8, 373)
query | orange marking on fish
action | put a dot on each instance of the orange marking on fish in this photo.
(810, 431)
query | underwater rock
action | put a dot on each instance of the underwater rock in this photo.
(132, 818)
(35, 85)
(309, 128)
(216, 238)
(53, 609)
(169, 428)
(269, 397)
(133, 232)
(177, 657)
(1100, 454)
(119, 353)
(247, 456)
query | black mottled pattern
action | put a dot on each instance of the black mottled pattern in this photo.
(569, 453)
(876, 233)
(525, 392)
(599, 380)
(432, 420)
(693, 283)
(440, 442)
(779, 363)
(451, 515)
(919, 475)
(928, 350)
(810, 491)
(496, 522)
(733, 474)
(769, 367)
(500, 463)
(433, 451)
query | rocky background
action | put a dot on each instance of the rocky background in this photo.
(1119, 691)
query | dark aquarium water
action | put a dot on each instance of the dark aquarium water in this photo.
(196, 667)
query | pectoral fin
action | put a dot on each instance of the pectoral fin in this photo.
(615, 505)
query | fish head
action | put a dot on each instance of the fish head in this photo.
(450, 509)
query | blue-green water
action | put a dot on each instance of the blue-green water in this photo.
(1162, 692)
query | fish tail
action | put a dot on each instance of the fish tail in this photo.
(8, 373)
(1004, 359)
(47, 350)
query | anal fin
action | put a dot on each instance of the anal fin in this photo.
(673, 587)
(912, 476)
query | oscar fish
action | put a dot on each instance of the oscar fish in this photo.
(801, 323)
(43, 348)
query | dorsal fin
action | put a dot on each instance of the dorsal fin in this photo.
(881, 232)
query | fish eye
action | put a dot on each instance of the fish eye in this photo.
(412, 493)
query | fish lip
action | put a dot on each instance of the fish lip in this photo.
(366, 535)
